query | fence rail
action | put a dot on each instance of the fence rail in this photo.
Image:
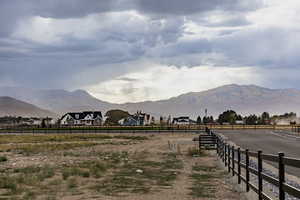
(236, 159)
(93, 130)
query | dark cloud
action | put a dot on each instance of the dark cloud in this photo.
(70, 8)
(271, 46)
(75, 62)
(128, 79)
(189, 7)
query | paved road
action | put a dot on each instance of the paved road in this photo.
(267, 141)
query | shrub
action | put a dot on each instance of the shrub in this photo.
(3, 159)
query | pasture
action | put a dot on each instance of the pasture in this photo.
(108, 166)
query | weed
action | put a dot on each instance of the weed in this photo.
(29, 195)
(3, 159)
(74, 171)
(9, 183)
(192, 152)
(72, 183)
(204, 168)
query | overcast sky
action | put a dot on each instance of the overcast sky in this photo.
(135, 50)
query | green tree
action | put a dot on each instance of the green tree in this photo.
(251, 120)
(228, 116)
(43, 124)
(211, 119)
(113, 116)
(199, 121)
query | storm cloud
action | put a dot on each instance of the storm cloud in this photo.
(73, 44)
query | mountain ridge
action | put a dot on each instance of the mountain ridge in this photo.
(245, 99)
(12, 107)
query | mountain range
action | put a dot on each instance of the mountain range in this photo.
(244, 99)
(13, 107)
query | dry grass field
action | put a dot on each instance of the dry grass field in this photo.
(103, 166)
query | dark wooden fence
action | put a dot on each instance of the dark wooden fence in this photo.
(71, 130)
(236, 159)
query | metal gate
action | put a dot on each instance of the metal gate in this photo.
(207, 141)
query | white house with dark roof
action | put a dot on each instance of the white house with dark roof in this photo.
(87, 118)
(183, 121)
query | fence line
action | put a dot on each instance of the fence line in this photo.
(237, 157)
(93, 130)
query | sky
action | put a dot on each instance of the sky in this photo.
(136, 50)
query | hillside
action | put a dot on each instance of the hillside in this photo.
(58, 101)
(245, 99)
(13, 107)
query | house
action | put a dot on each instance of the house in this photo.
(239, 122)
(129, 121)
(183, 121)
(87, 118)
(138, 119)
(142, 119)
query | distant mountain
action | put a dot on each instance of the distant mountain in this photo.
(245, 99)
(58, 101)
(13, 107)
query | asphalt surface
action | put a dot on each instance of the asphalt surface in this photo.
(267, 141)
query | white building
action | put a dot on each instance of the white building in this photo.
(87, 118)
(183, 121)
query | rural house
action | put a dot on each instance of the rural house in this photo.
(183, 121)
(129, 121)
(138, 119)
(87, 118)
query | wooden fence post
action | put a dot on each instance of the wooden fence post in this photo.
(228, 148)
(239, 165)
(247, 171)
(233, 164)
(225, 154)
(259, 176)
(199, 142)
(224, 151)
(281, 176)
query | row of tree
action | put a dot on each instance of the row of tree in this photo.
(231, 117)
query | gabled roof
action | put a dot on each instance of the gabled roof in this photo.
(82, 115)
(181, 119)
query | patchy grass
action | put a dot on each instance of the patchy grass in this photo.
(140, 175)
(34, 144)
(195, 152)
(4, 139)
(29, 149)
(204, 185)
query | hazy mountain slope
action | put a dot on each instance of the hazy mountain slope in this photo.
(245, 99)
(58, 101)
(13, 107)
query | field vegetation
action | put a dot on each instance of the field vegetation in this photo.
(103, 166)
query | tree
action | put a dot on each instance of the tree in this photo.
(228, 116)
(205, 121)
(211, 119)
(264, 119)
(198, 120)
(251, 120)
(113, 116)
(161, 120)
(43, 124)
